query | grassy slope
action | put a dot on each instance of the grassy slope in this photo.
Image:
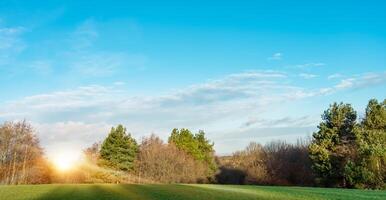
(179, 192)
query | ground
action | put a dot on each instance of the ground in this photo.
(179, 192)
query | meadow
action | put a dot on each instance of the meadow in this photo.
(179, 192)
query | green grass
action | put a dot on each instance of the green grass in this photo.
(179, 192)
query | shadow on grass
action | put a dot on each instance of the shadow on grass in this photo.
(195, 192)
(139, 192)
(80, 192)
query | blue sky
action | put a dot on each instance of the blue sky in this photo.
(241, 71)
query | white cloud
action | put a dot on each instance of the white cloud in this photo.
(70, 135)
(307, 76)
(355, 82)
(345, 83)
(304, 121)
(335, 76)
(276, 56)
(363, 80)
(119, 83)
(309, 65)
(209, 105)
(103, 64)
(218, 106)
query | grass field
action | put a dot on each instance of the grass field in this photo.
(179, 192)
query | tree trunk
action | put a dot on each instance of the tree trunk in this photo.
(24, 164)
(13, 168)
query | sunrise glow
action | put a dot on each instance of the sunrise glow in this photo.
(65, 160)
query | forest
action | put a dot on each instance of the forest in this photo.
(346, 151)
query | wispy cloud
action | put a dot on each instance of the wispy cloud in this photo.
(78, 54)
(85, 60)
(84, 35)
(9, 35)
(363, 80)
(205, 105)
(307, 76)
(355, 82)
(11, 43)
(276, 56)
(309, 65)
(119, 83)
(304, 121)
(217, 105)
(334, 76)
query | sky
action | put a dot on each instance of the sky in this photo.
(242, 71)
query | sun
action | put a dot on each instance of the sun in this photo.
(65, 161)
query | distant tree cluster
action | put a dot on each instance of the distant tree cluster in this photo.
(276, 163)
(344, 152)
(186, 158)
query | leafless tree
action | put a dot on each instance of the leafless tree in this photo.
(21, 157)
(165, 163)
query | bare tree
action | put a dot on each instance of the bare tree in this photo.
(165, 163)
(20, 154)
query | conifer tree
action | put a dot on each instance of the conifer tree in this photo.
(119, 149)
(195, 145)
(333, 146)
(368, 170)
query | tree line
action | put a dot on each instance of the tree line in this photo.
(345, 151)
(185, 158)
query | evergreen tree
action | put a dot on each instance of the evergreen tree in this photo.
(195, 145)
(184, 140)
(369, 168)
(119, 149)
(375, 118)
(333, 146)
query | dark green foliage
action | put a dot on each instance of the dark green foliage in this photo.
(195, 145)
(375, 118)
(333, 145)
(369, 168)
(119, 149)
(351, 154)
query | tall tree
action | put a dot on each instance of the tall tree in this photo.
(375, 118)
(368, 170)
(119, 149)
(333, 145)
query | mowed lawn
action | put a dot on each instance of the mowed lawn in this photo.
(179, 192)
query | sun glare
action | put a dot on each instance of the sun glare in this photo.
(65, 161)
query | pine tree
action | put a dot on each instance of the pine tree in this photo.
(333, 146)
(369, 168)
(195, 145)
(119, 149)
